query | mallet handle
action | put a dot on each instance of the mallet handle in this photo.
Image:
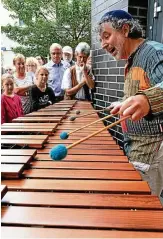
(84, 115)
(97, 132)
(106, 117)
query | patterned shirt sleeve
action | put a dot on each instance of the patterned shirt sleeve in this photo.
(155, 75)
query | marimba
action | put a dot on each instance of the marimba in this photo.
(93, 193)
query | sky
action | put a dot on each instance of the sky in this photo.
(5, 19)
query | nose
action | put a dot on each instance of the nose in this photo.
(44, 77)
(104, 44)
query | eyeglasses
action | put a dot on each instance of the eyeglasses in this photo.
(55, 53)
(9, 69)
(20, 64)
(31, 65)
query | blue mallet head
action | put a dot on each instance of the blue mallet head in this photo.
(59, 152)
(64, 135)
(77, 112)
(72, 118)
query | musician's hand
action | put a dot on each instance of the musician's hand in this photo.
(115, 107)
(137, 106)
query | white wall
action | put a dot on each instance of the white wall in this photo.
(8, 55)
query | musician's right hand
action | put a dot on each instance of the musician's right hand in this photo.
(114, 107)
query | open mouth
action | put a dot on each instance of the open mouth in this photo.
(113, 51)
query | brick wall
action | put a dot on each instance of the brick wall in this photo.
(139, 9)
(109, 73)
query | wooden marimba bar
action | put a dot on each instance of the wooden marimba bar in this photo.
(94, 192)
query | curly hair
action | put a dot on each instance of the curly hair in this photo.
(135, 29)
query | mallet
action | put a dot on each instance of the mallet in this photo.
(60, 151)
(72, 118)
(77, 112)
(65, 135)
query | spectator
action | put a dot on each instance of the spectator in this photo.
(11, 106)
(89, 61)
(22, 82)
(9, 70)
(78, 79)
(31, 66)
(56, 69)
(41, 94)
(41, 60)
(68, 55)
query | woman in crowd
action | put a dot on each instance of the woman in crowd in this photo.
(22, 82)
(41, 94)
(11, 106)
(41, 60)
(31, 66)
(9, 70)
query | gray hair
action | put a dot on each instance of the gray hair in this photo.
(83, 47)
(135, 29)
(55, 46)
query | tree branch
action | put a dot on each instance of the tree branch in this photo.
(81, 30)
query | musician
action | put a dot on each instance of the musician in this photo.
(121, 36)
(78, 79)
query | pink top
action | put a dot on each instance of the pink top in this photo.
(11, 108)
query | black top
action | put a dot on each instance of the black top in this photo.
(41, 99)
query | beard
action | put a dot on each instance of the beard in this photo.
(67, 59)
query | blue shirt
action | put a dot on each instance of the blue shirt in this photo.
(56, 72)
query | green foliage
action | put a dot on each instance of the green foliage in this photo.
(66, 22)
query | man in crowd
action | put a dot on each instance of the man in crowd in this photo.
(78, 79)
(56, 68)
(68, 55)
(121, 36)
